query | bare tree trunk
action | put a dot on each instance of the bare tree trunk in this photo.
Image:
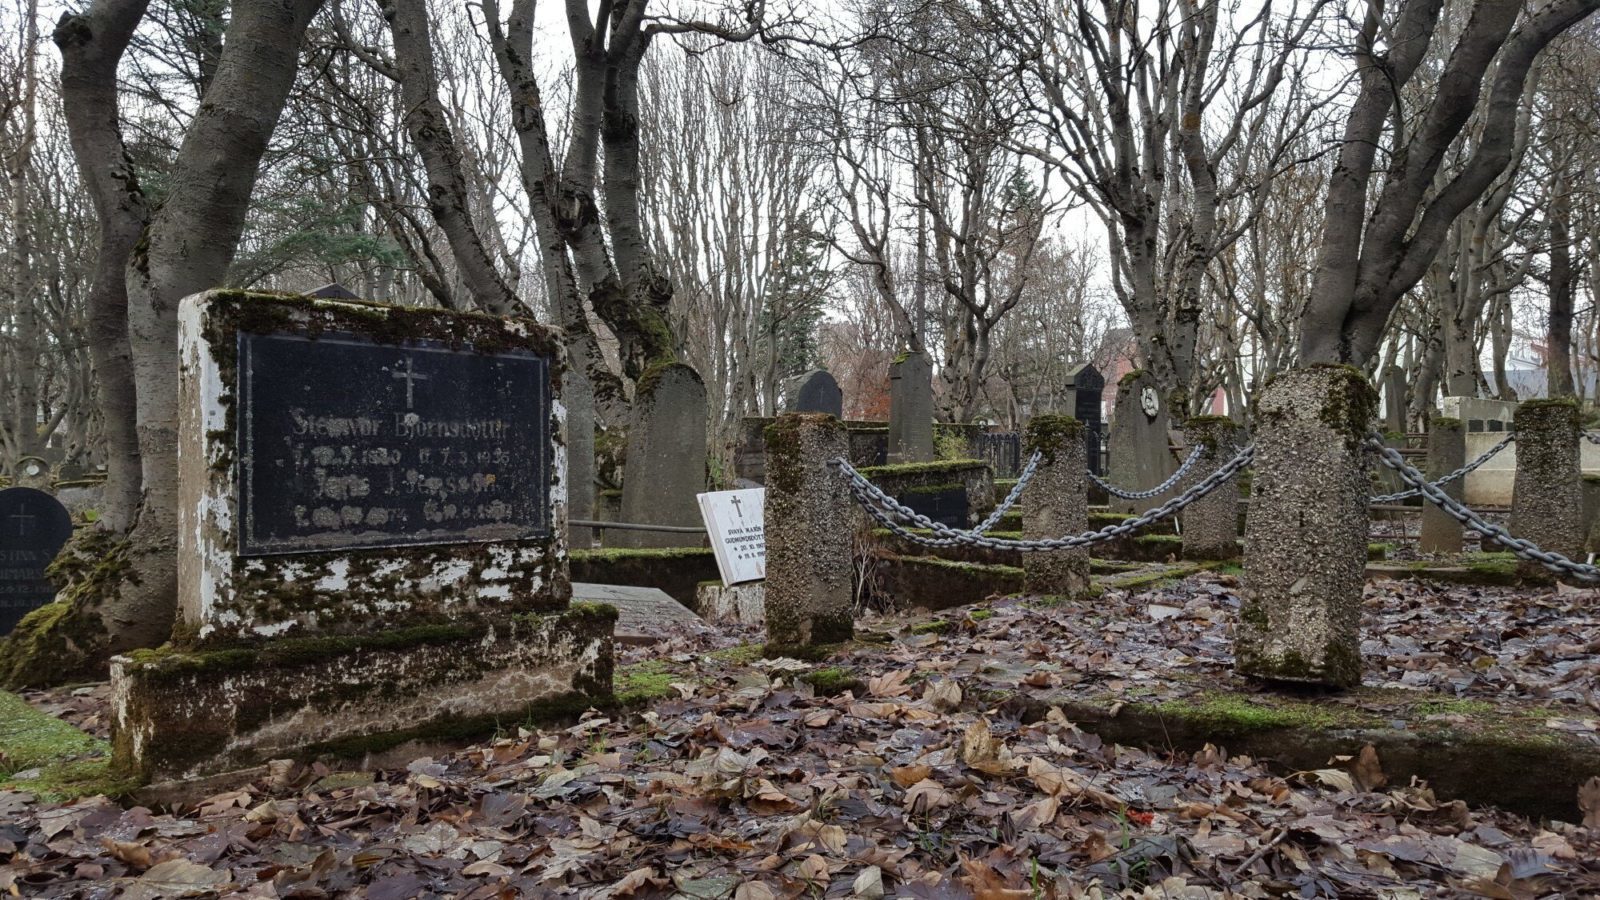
(24, 287)
(1562, 289)
(92, 44)
(188, 247)
(441, 158)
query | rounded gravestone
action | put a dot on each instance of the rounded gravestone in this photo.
(33, 528)
(31, 472)
(816, 391)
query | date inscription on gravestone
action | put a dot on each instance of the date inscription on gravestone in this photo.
(348, 444)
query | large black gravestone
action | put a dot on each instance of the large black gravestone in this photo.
(1088, 389)
(33, 528)
(347, 444)
(817, 392)
(947, 506)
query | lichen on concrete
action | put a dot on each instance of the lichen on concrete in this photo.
(1056, 505)
(1211, 523)
(809, 533)
(1306, 535)
(1547, 492)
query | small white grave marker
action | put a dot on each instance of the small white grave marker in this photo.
(735, 521)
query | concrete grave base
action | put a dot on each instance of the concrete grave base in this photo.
(186, 714)
(745, 604)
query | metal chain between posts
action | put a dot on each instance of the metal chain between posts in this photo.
(1161, 488)
(1011, 498)
(1555, 562)
(1459, 473)
(886, 509)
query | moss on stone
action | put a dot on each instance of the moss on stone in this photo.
(1348, 409)
(923, 490)
(832, 680)
(936, 626)
(1445, 422)
(1048, 434)
(625, 553)
(979, 615)
(1130, 376)
(937, 467)
(1231, 715)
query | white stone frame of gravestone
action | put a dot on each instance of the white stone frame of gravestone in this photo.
(225, 597)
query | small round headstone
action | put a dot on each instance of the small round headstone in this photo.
(34, 526)
(33, 472)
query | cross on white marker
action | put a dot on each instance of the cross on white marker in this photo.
(736, 509)
(411, 377)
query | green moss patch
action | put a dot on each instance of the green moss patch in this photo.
(60, 762)
(832, 680)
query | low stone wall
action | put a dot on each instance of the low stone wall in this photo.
(1491, 484)
(677, 571)
(869, 443)
(179, 714)
(906, 478)
(924, 581)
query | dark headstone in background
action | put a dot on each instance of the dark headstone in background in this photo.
(333, 291)
(1088, 392)
(816, 392)
(33, 529)
(945, 505)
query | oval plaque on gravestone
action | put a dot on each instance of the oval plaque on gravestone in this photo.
(33, 528)
(345, 443)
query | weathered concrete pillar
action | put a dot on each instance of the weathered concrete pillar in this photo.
(809, 531)
(1056, 505)
(1447, 452)
(1306, 535)
(1211, 524)
(1591, 513)
(1547, 493)
(910, 409)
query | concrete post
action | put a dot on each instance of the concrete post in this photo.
(1211, 524)
(1447, 452)
(809, 532)
(1056, 505)
(1306, 534)
(1547, 493)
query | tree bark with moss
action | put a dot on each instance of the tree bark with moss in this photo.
(186, 247)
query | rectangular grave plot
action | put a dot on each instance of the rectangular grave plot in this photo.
(347, 444)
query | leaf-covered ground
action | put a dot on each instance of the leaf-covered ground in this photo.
(897, 778)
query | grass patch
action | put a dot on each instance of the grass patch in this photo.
(1453, 708)
(1226, 715)
(70, 763)
(645, 682)
(831, 680)
(742, 655)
